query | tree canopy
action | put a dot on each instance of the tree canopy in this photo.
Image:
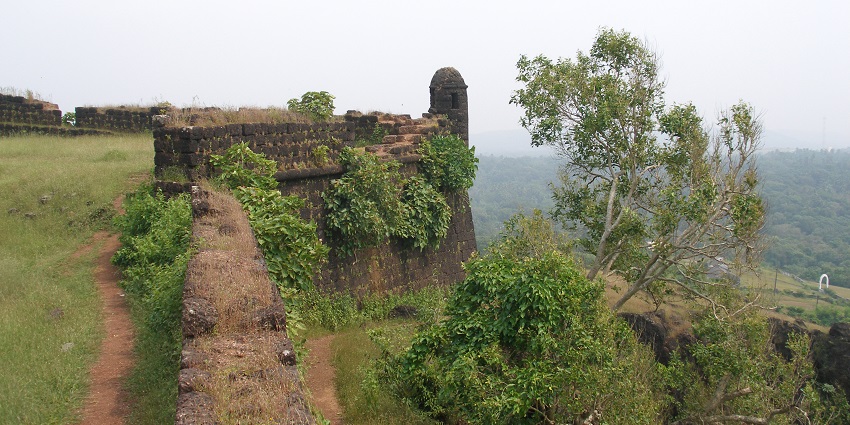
(659, 197)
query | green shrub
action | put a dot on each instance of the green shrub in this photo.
(527, 340)
(290, 245)
(320, 155)
(69, 118)
(364, 206)
(240, 166)
(426, 214)
(447, 163)
(375, 138)
(319, 106)
(371, 203)
(154, 231)
(155, 234)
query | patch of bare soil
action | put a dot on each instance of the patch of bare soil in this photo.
(321, 378)
(107, 401)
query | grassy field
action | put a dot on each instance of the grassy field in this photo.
(793, 298)
(56, 192)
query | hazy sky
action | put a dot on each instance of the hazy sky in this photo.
(790, 59)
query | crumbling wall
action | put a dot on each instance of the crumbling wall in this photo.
(307, 173)
(20, 110)
(390, 267)
(188, 149)
(120, 118)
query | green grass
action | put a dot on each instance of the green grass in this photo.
(791, 294)
(363, 398)
(56, 192)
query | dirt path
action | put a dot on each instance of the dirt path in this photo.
(107, 401)
(321, 378)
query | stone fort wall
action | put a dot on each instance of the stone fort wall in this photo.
(20, 110)
(391, 267)
(119, 118)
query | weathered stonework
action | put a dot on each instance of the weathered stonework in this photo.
(121, 118)
(391, 267)
(448, 97)
(20, 110)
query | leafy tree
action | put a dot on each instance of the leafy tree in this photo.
(658, 197)
(530, 236)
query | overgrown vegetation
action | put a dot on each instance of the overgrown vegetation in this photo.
(50, 324)
(731, 376)
(372, 202)
(291, 248)
(155, 237)
(364, 205)
(240, 166)
(374, 138)
(447, 163)
(319, 106)
(527, 339)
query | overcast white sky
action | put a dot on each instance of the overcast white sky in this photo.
(790, 59)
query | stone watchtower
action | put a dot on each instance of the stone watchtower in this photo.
(448, 97)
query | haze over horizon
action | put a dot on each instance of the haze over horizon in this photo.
(787, 59)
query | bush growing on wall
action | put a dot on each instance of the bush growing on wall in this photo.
(426, 214)
(240, 166)
(447, 163)
(292, 251)
(364, 205)
(291, 247)
(319, 106)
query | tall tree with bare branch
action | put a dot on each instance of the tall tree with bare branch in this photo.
(660, 197)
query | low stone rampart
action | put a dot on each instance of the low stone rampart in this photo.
(119, 118)
(20, 110)
(237, 361)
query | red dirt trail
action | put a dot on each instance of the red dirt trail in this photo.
(321, 378)
(107, 402)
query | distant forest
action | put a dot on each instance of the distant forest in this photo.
(808, 196)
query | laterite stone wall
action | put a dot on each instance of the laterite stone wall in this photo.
(20, 110)
(393, 266)
(119, 119)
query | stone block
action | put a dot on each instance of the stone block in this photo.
(191, 379)
(163, 159)
(199, 317)
(234, 129)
